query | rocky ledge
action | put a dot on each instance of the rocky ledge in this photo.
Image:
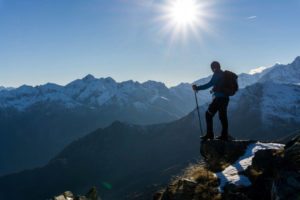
(244, 170)
(68, 195)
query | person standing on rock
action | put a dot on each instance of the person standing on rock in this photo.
(224, 84)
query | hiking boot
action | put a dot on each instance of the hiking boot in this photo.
(208, 137)
(223, 137)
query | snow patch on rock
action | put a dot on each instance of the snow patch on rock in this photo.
(231, 175)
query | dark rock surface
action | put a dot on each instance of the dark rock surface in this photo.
(218, 153)
(274, 174)
(287, 185)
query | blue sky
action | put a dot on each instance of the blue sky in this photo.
(61, 40)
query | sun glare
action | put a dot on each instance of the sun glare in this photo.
(183, 11)
(182, 18)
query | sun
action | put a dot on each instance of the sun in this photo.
(184, 12)
(183, 18)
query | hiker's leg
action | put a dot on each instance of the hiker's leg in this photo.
(209, 122)
(211, 111)
(223, 115)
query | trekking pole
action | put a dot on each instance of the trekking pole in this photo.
(198, 111)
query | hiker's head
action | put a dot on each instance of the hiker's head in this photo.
(215, 66)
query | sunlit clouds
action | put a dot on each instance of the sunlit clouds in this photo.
(257, 70)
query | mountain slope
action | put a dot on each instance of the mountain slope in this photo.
(264, 106)
(287, 74)
(128, 157)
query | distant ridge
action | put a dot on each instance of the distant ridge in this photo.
(60, 114)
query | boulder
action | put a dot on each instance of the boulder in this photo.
(219, 154)
(68, 195)
(60, 197)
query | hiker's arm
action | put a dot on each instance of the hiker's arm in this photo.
(207, 85)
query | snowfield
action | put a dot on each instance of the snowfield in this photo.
(231, 175)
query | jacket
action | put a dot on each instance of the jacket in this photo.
(216, 82)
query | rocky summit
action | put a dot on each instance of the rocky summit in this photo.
(242, 170)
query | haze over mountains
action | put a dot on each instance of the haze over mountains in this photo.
(38, 122)
(128, 157)
(50, 116)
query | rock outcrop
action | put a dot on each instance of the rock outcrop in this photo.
(243, 170)
(287, 184)
(218, 153)
(68, 195)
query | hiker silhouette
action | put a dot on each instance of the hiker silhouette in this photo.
(224, 84)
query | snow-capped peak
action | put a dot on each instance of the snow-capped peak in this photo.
(287, 74)
(91, 91)
(88, 91)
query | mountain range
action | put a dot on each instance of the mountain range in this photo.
(46, 118)
(36, 123)
(125, 161)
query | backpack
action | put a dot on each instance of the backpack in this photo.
(230, 83)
